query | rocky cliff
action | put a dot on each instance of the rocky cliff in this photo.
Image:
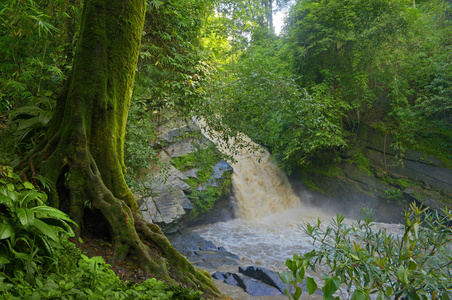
(177, 189)
(374, 174)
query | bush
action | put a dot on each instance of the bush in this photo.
(416, 264)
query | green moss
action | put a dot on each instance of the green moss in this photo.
(361, 161)
(437, 142)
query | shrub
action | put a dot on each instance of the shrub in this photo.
(416, 264)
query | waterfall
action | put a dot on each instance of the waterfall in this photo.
(260, 188)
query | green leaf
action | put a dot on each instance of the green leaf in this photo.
(28, 185)
(389, 291)
(381, 296)
(10, 187)
(6, 230)
(6, 200)
(416, 229)
(311, 285)
(26, 216)
(59, 223)
(297, 293)
(286, 277)
(29, 196)
(44, 245)
(359, 294)
(47, 211)
(3, 261)
(331, 286)
(402, 275)
(47, 230)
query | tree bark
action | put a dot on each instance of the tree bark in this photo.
(83, 155)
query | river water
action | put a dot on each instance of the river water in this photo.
(266, 230)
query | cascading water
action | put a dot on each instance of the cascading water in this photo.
(268, 212)
(266, 231)
(260, 188)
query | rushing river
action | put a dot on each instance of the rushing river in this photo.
(266, 231)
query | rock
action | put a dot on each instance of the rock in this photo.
(174, 129)
(169, 203)
(266, 276)
(226, 253)
(192, 173)
(168, 207)
(256, 288)
(252, 287)
(220, 275)
(232, 280)
(186, 146)
(201, 252)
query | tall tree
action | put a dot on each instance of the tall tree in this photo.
(82, 154)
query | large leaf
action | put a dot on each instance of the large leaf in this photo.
(402, 275)
(59, 223)
(26, 216)
(29, 196)
(47, 211)
(6, 230)
(311, 285)
(359, 295)
(47, 230)
(28, 124)
(6, 200)
(331, 286)
(286, 277)
(44, 245)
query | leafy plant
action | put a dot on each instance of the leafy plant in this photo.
(31, 122)
(415, 264)
(28, 227)
(92, 278)
(204, 193)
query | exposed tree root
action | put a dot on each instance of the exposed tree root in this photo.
(77, 185)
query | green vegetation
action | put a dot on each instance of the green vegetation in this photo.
(66, 82)
(336, 65)
(37, 261)
(415, 264)
(204, 194)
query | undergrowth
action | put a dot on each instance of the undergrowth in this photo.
(37, 260)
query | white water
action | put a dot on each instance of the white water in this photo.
(266, 231)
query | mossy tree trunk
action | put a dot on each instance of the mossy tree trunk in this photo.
(82, 155)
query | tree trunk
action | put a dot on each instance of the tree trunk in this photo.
(83, 155)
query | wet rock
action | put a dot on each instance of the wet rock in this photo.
(201, 252)
(227, 253)
(220, 275)
(256, 288)
(251, 286)
(266, 276)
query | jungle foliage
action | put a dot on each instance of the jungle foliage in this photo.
(383, 63)
(301, 95)
(37, 260)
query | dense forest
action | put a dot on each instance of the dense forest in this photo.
(82, 83)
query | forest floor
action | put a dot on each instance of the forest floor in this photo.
(126, 270)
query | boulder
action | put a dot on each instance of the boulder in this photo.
(252, 287)
(174, 129)
(201, 252)
(266, 276)
(186, 146)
